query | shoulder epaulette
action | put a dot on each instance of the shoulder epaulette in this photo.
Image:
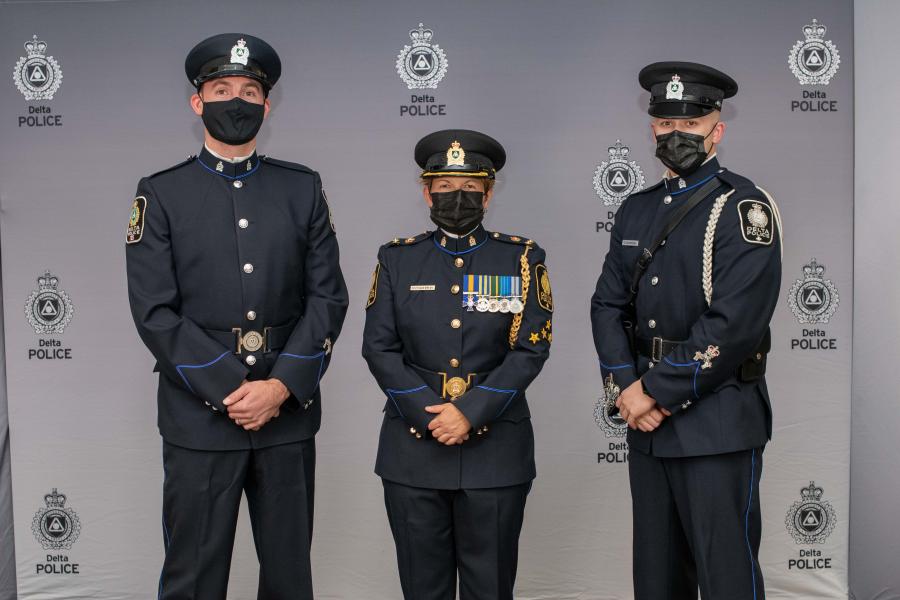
(189, 160)
(512, 239)
(741, 185)
(410, 240)
(287, 165)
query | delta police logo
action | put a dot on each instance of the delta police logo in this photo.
(37, 75)
(55, 527)
(423, 64)
(815, 60)
(813, 299)
(615, 179)
(49, 309)
(613, 426)
(811, 519)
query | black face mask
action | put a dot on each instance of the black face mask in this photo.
(233, 122)
(457, 212)
(681, 152)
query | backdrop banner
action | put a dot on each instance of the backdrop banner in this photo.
(95, 97)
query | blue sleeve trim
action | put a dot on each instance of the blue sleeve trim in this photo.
(312, 357)
(391, 393)
(472, 249)
(512, 394)
(695, 364)
(609, 368)
(209, 364)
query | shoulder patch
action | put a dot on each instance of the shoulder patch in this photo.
(287, 165)
(542, 287)
(512, 239)
(410, 240)
(756, 221)
(189, 160)
(135, 230)
(373, 290)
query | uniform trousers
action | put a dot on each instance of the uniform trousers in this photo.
(201, 497)
(472, 532)
(697, 524)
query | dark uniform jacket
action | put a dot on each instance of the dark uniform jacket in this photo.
(213, 247)
(419, 335)
(732, 241)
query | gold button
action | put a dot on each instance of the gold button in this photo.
(459, 262)
(455, 323)
(454, 289)
(454, 363)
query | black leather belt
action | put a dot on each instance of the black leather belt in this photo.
(270, 339)
(751, 369)
(446, 386)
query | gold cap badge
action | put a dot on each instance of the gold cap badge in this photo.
(456, 156)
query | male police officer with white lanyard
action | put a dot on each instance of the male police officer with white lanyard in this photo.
(680, 319)
(235, 288)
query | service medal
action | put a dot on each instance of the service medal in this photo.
(516, 306)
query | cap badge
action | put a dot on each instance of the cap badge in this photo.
(456, 156)
(674, 89)
(240, 53)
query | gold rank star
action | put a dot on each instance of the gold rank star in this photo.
(549, 324)
(534, 338)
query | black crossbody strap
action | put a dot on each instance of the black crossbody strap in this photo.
(646, 257)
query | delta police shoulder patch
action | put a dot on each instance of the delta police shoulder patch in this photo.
(757, 222)
(542, 283)
(135, 230)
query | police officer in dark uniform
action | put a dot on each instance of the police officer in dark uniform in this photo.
(235, 288)
(681, 324)
(458, 324)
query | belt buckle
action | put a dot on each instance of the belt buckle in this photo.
(656, 353)
(455, 386)
(250, 341)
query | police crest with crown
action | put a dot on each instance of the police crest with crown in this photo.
(814, 61)
(617, 178)
(38, 76)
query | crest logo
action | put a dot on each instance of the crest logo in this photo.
(240, 53)
(615, 179)
(422, 64)
(49, 309)
(613, 426)
(456, 155)
(813, 299)
(674, 89)
(810, 520)
(55, 527)
(37, 75)
(815, 60)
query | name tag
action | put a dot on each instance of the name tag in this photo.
(630, 242)
(421, 288)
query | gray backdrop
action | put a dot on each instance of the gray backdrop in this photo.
(556, 83)
(874, 533)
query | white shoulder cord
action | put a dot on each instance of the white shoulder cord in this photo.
(714, 215)
(708, 239)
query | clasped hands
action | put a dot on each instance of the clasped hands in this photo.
(639, 410)
(450, 426)
(255, 403)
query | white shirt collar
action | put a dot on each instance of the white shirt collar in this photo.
(234, 160)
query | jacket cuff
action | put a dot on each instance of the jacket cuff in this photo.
(411, 405)
(301, 374)
(214, 380)
(482, 405)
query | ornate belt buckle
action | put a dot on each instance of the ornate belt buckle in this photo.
(250, 341)
(455, 386)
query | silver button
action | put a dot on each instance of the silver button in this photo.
(652, 324)
(667, 200)
(651, 365)
(654, 280)
(243, 223)
(238, 184)
(250, 360)
(251, 315)
(248, 268)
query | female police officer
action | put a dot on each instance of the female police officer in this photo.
(458, 323)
